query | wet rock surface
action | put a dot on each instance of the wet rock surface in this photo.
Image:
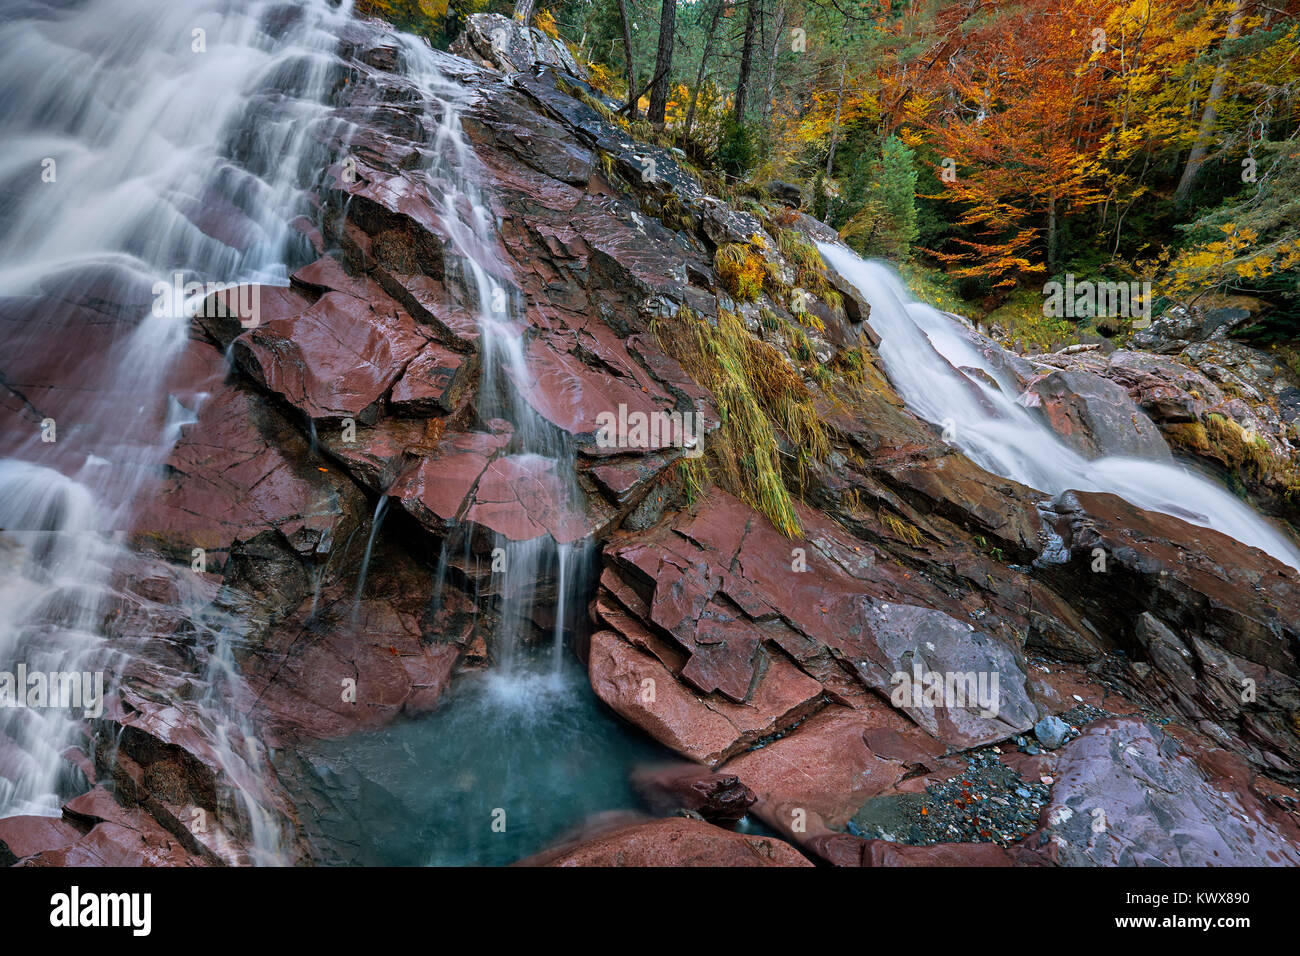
(1128, 794)
(1222, 405)
(507, 45)
(1096, 417)
(673, 842)
(717, 797)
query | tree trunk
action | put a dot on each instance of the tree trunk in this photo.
(524, 11)
(1051, 236)
(627, 55)
(704, 62)
(835, 127)
(1210, 115)
(769, 90)
(663, 62)
(746, 59)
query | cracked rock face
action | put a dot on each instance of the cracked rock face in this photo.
(510, 46)
(716, 599)
(1129, 795)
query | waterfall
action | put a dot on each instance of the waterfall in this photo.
(922, 350)
(376, 523)
(145, 142)
(518, 567)
(153, 142)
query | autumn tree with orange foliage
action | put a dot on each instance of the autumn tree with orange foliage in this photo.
(1016, 114)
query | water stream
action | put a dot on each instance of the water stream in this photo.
(523, 751)
(145, 142)
(923, 349)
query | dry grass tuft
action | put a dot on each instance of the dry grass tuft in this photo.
(760, 400)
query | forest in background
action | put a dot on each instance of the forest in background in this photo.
(986, 147)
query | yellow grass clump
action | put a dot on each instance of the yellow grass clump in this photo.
(760, 399)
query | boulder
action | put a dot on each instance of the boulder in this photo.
(717, 797)
(673, 842)
(511, 47)
(1051, 732)
(1096, 417)
(1128, 794)
(811, 782)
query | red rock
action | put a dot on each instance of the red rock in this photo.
(381, 647)
(110, 844)
(430, 674)
(95, 831)
(718, 797)
(571, 394)
(378, 454)
(673, 842)
(707, 730)
(426, 299)
(433, 382)
(723, 581)
(434, 490)
(811, 782)
(216, 216)
(226, 315)
(21, 837)
(98, 806)
(327, 274)
(523, 497)
(305, 698)
(608, 613)
(625, 480)
(397, 209)
(336, 360)
(239, 444)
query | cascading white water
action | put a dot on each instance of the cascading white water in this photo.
(145, 139)
(504, 378)
(376, 522)
(142, 139)
(50, 584)
(922, 350)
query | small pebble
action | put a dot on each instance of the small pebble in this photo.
(1051, 732)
